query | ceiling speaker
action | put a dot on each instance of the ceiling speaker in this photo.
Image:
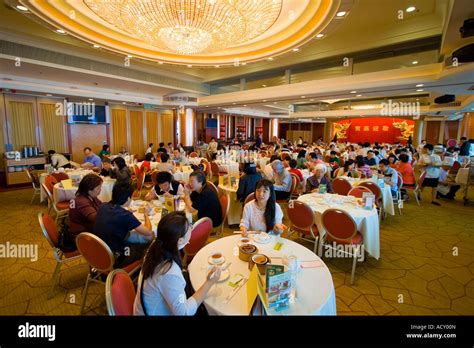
(464, 54)
(467, 28)
(444, 99)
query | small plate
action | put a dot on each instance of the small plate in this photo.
(209, 260)
(262, 238)
(224, 276)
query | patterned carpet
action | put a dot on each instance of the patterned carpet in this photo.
(426, 266)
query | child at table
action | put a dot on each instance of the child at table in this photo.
(161, 284)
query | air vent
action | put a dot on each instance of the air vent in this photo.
(181, 99)
(439, 106)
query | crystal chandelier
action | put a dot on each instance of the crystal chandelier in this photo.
(189, 27)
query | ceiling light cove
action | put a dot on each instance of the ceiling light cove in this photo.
(192, 32)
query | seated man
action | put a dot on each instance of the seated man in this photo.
(114, 222)
(372, 160)
(389, 175)
(199, 196)
(447, 186)
(165, 165)
(178, 158)
(166, 186)
(91, 159)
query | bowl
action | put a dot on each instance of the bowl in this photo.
(260, 260)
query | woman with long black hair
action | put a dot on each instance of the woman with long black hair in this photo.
(161, 284)
(263, 213)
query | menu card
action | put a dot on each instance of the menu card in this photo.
(322, 188)
(67, 184)
(275, 292)
(368, 200)
(221, 180)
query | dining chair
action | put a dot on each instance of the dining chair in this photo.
(250, 197)
(224, 201)
(302, 220)
(341, 186)
(51, 234)
(140, 183)
(377, 191)
(100, 259)
(358, 191)
(33, 177)
(59, 176)
(119, 293)
(416, 190)
(341, 229)
(193, 154)
(212, 187)
(207, 168)
(61, 209)
(199, 236)
(397, 200)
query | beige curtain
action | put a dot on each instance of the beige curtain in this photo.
(136, 134)
(23, 124)
(52, 129)
(166, 119)
(152, 128)
(119, 130)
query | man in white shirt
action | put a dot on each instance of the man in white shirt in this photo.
(58, 160)
(212, 146)
(150, 148)
(420, 146)
(431, 164)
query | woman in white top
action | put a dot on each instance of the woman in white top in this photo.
(262, 213)
(161, 285)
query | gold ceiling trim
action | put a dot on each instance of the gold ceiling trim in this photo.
(315, 17)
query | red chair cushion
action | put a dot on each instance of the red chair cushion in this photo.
(70, 254)
(123, 294)
(306, 231)
(62, 205)
(357, 239)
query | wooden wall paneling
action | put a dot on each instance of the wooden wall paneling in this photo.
(266, 130)
(450, 130)
(432, 132)
(86, 135)
(317, 131)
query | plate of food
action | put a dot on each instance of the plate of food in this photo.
(262, 238)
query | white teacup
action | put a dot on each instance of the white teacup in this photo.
(217, 258)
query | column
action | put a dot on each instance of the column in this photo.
(274, 128)
(418, 132)
(186, 127)
(242, 84)
(328, 128)
(441, 132)
(287, 76)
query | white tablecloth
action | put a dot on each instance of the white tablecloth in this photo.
(367, 221)
(74, 174)
(314, 286)
(60, 194)
(182, 176)
(231, 168)
(235, 209)
(387, 200)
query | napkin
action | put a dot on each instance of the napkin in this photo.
(67, 184)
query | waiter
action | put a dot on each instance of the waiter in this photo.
(58, 160)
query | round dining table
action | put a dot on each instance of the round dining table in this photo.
(231, 168)
(367, 221)
(61, 194)
(75, 175)
(314, 294)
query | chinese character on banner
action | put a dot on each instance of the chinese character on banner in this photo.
(366, 128)
(357, 128)
(375, 128)
(385, 128)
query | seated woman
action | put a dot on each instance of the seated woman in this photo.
(165, 165)
(393, 161)
(83, 210)
(262, 213)
(282, 180)
(248, 182)
(146, 165)
(199, 196)
(319, 177)
(363, 167)
(105, 152)
(120, 171)
(166, 186)
(301, 159)
(161, 284)
(349, 170)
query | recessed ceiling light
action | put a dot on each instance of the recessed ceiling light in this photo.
(353, 92)
(311, 100)
(296, 49)
(303, 96)
(234, 103)
(217, 66)
(124, 103)
(341, 14)
(417, 98)
(270, 58)
(96, 46)
(129, 56)
(420, 90)
(22, 8)
(91, 99)
(264, 100)
(207, 106)
(49, 95)
(160, 63)
(359, 95)
(60, 31)
(245, 105)
(419, 85)
(319, 36)
(410, 9)
(414, 62)
(264, 85)
(243, 63)
(190, 65)
(275, 103)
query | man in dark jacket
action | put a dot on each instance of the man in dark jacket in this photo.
(465, 147)
(248, 182)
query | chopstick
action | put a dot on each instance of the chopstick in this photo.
(231, 295)
(249, 232)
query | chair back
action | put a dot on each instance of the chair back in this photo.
(249, 198)
(96, 252)
(153, 177)
(300, 215)
(358, 191)
(341, 186)
(60, 176)
(372, 187)
(199, 235)
(193, 154)
(455, 168)
(48, 193)
(224, 200)
(214, 169)
(33, 177)
(295, 183)
(49, 182)
(336, 172)
(421, 178)
(119, 293)
(338, 224)
(213, 187)
(49, 229)
(207, 167)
